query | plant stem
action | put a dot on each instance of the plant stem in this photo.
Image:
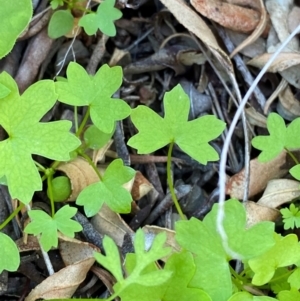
(12, 215)
(92, 164)
(40, 166)
(170, 182)
(83, 122)
(292, 155)
(49, 183)
(76, 119)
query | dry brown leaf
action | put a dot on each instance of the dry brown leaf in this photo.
(279, 192)
(194, 23)
(283, 61)
(255, 118)
(73, 250)
(62, 284)
(258, 213)
(260, 175)
(141, 186)
(109, 223)
(257, 32)
(228, 15)
(80, 173)
(288, 106)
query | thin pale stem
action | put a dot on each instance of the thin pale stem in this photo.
(12, 215)
(92, 164)
(83, 123)
(292, 155)
(170, 182)
(49, 183)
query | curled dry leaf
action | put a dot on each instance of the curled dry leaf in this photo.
(193, 22)
(228, 15)
(260, 175)
(80, 173)
(73, 250)
(288, 106)
(63, 283)
(257, 213)
(279, 192)
(141, 186)
(283, 61)
(109, 223)
(260, 28)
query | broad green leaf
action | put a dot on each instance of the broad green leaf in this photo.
(248, 243)
(95, 91)
(291, 217)
(14, 19)
(273, 144)
(285, 252)
(95, 139)
(60, 24)
(292, 295)
(4, 91)
(9, 254)
(295, 172)
(212, 269)
(294, 279)
(19, 116)
(110, 190)
(244, 296)
(182, 267)
(43, 224)
(280, 137)
(111, 261)
(192, 137)
(103, 19)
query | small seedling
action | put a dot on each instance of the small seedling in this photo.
(62, 21)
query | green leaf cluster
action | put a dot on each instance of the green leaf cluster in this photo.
(62, 21)
(291, 217)
(44, 225)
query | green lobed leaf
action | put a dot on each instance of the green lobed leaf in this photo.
(112, 260)
(14, 19)
(19, 116)
(95, 91)
(247, 242)
(110, 190)
(60, 24)
(212, 269)
(44, 225)
(192, 137)
(56, 3)
(273, 144)
(4, 91)
(295, 172)
(294, 279)
(285, 252)
(103, 19)
(182, 267)
(140, 266)
(10, 257)
(95, 139)
(280, 137)
(291, 217)
(292, 295)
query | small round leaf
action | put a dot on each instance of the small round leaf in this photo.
(60, 24)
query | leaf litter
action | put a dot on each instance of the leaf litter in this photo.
(162, 78)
